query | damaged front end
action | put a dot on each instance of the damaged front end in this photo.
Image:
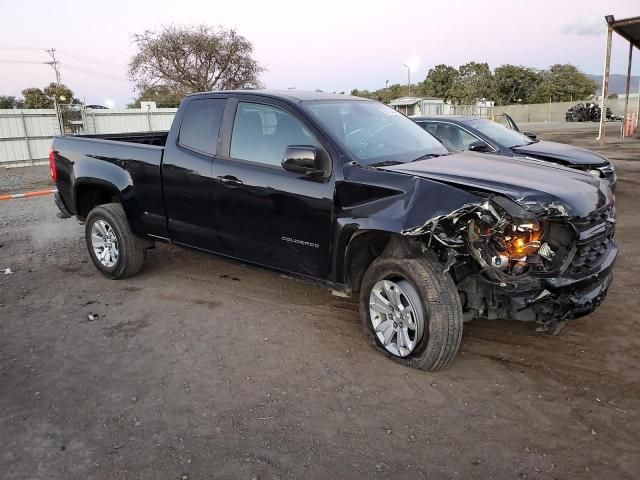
(524, 260)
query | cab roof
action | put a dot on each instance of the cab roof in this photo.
(455, 118)
(288, 95)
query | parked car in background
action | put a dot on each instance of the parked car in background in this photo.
(483, 135)
(591, 112)
(353, 195)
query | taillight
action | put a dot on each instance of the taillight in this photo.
(52, 166)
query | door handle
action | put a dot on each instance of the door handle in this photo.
(230, 180)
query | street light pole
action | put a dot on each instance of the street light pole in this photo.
(408, 77)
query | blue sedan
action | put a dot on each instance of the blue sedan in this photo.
(482, 135)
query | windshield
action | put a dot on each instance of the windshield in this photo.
(500, 134)
(372, 132)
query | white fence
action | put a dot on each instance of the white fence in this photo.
(128, 120)
(430, 109)
(25, 135)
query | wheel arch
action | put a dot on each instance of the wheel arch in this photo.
(91, 192)
(365, 246)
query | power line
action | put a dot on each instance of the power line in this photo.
(55, 63)
(77, 56)
(23, 61)
(93, 60)
(22, 48)
(95, 72)
(70, 67)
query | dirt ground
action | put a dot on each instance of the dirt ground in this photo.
(199, 368)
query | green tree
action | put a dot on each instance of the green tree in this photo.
(8, 101)
(164, 96)
(194, 59)
(439, 81)
(362, 93)
(61, 93)
(36, 98)
(385, 95)
(563, 83)
(515, 84)
(474, 82)
(398, 90)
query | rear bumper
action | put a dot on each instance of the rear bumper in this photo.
(64, 212)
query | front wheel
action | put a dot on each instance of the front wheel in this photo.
(113, 248)
(411, 310)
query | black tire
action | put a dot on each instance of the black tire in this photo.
(132, 252)
(441, 305)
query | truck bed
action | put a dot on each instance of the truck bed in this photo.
(157, 139)
(128, 166)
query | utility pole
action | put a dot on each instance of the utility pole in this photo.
(54, 64)
(602, 130)
(626, 93)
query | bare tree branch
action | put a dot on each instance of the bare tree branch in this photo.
(194, 59)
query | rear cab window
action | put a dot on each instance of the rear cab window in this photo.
(201, 124)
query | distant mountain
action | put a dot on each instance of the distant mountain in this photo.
(617, 83)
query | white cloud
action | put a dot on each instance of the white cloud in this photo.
(585, 26)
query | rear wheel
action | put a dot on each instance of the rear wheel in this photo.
(411, 310)
(113, 248)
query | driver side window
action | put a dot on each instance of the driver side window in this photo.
(262, 133)
(453, 136)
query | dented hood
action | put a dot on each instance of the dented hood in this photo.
(567, 154)
(526, 181)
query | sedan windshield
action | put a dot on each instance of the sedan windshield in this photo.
(500, 134)
(373, 133)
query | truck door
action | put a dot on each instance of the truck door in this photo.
(186, 172)
(263, 213)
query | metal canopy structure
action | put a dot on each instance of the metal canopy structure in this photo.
(629, 29)
(404, 101)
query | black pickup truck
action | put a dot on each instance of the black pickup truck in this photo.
(349, 193)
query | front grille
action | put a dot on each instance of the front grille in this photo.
(589, 256)
(595, 239)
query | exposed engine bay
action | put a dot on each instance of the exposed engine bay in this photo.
(501, 252)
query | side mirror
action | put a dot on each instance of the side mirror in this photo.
(479, 146)
(302, 159)
(531, 135)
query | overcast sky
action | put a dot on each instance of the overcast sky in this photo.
(331, 45)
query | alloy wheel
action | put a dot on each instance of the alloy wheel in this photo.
(396, 315)
(104, 243)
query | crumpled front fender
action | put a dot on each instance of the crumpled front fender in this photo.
(378, 200)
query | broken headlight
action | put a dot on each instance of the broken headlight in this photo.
(503, 237)
(506, 237)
